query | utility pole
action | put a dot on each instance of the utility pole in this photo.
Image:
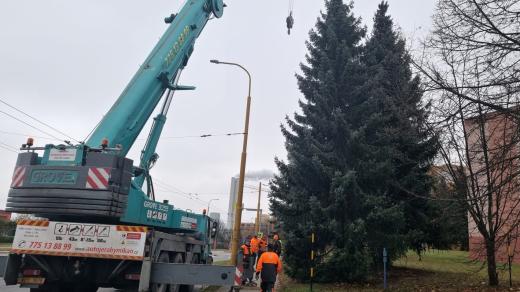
(257, 223)
(238, 209)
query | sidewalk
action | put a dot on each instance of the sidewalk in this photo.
(248, 289)
(243, 289)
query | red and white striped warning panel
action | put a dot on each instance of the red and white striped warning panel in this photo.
(132, 228)
(238, 276)
(97, 178)
(18, 177)
(30, 222)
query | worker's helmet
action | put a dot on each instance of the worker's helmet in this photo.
(269, 247)
(260, 234)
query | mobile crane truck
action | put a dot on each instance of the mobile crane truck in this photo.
(99, 224)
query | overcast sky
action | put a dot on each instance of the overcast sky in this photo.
(65, 62)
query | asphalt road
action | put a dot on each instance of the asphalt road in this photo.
(3, 288)
(221, 255)
(218, 255)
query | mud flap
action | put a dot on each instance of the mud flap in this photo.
(9, 268)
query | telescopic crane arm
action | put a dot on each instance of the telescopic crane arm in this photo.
(127, 117)
(96, 178)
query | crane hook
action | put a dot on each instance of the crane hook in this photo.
(290, 23)
(290, 19)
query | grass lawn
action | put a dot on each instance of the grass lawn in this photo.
(437, 271)
(456, 262)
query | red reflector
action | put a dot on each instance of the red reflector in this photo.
(31, 272)
(133, 235)
(132, 277)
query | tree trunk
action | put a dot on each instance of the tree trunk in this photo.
(491, 262)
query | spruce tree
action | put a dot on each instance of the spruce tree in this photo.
(359, 152)
(398, 149)
(315, 189)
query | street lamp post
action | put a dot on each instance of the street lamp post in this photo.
(238, 207)
(210, 203)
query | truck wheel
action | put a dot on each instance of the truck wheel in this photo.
(176, 260)
(190, 288)
(164, 257)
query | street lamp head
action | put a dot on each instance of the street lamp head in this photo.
(215, 61)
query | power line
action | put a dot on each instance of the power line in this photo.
(202, 136)
(37, 120)
(191, 196)
(34, 127)
(170, 186)
(256, 188)
(163, 188)
(8, 149)
(180, 192)
(25, 135)
(9, 146)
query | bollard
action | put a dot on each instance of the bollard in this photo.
(312, 259)
(385, 260)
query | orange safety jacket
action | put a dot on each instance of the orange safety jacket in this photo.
(269, 265)
(254, 245)
(245, 250)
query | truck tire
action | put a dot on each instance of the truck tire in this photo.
(190, 288)
(164, 257)
(177, 259)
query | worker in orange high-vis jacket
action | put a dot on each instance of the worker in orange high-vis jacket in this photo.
(268, 267)
(262, 243)
(254, 243)
(248, 263)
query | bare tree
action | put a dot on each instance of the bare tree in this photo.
(474, 52)
(471, 64)
(480, 149)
